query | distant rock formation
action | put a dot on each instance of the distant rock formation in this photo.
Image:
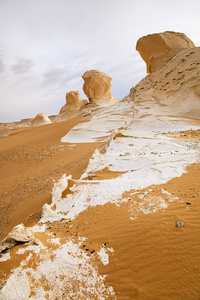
(97, 87)
(156, 49)
(4, 131)
(53, 118)
(24, 123)
(73, 104)
(40, 119)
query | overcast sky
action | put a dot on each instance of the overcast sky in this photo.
(47, 45)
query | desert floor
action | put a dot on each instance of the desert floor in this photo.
(31, 159)
(153, 258)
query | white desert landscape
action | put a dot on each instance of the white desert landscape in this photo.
(102, 201)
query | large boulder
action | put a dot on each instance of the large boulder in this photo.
(156, 49)
(40, 119)
(97, 87)
(173, 90)
(73, 104)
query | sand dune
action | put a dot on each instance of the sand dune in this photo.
(30, 160)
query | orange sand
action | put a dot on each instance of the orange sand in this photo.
(30, 160)
(153, 259)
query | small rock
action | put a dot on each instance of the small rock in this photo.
(179, 224)
(20, 233)
(7, 244)
(90, 177)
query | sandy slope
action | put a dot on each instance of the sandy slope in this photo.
(30, 160)
(152, 259)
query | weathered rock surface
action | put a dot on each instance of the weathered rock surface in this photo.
(97, 87)
(4, 131)
(73, 104)
(19, 234)
(24, 123)
(40, 119)
(172, 90)
(53, 118)
(7, 244)
(156, 49)
(23, 234)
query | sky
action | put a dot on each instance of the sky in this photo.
(47, 45)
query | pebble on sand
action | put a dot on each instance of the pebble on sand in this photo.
(179, 224)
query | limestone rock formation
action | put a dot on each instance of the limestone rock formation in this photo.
(4, 131)
(53, 118)
(156, 49)
(40, 119)
(73, 104)
(23, 234)
(19, 234)
(24, 123)
(172, 90)
(97, 87)
(7, 244)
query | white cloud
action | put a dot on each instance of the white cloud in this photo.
(22, 66)
(2, 66)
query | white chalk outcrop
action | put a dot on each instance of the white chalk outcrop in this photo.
(173, 89)
(48, 210)
(19, 234)
(40, 119)
(72, 106)
(97, 87)
(164, 101)
(67, 272)
(23, 234)
(4, 131)
(156, 49)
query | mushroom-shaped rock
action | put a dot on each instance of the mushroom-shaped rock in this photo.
(73, 98)
(97, 87)
(40, 119)
(156, 49)
(4, 131)
(73, 104)
(173, 90)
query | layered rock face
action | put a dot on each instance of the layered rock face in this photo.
(40, 119)
(24, 123)
(156, 49)
(172, 90)
(97, 87)
(73, 104)
(4, 131)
